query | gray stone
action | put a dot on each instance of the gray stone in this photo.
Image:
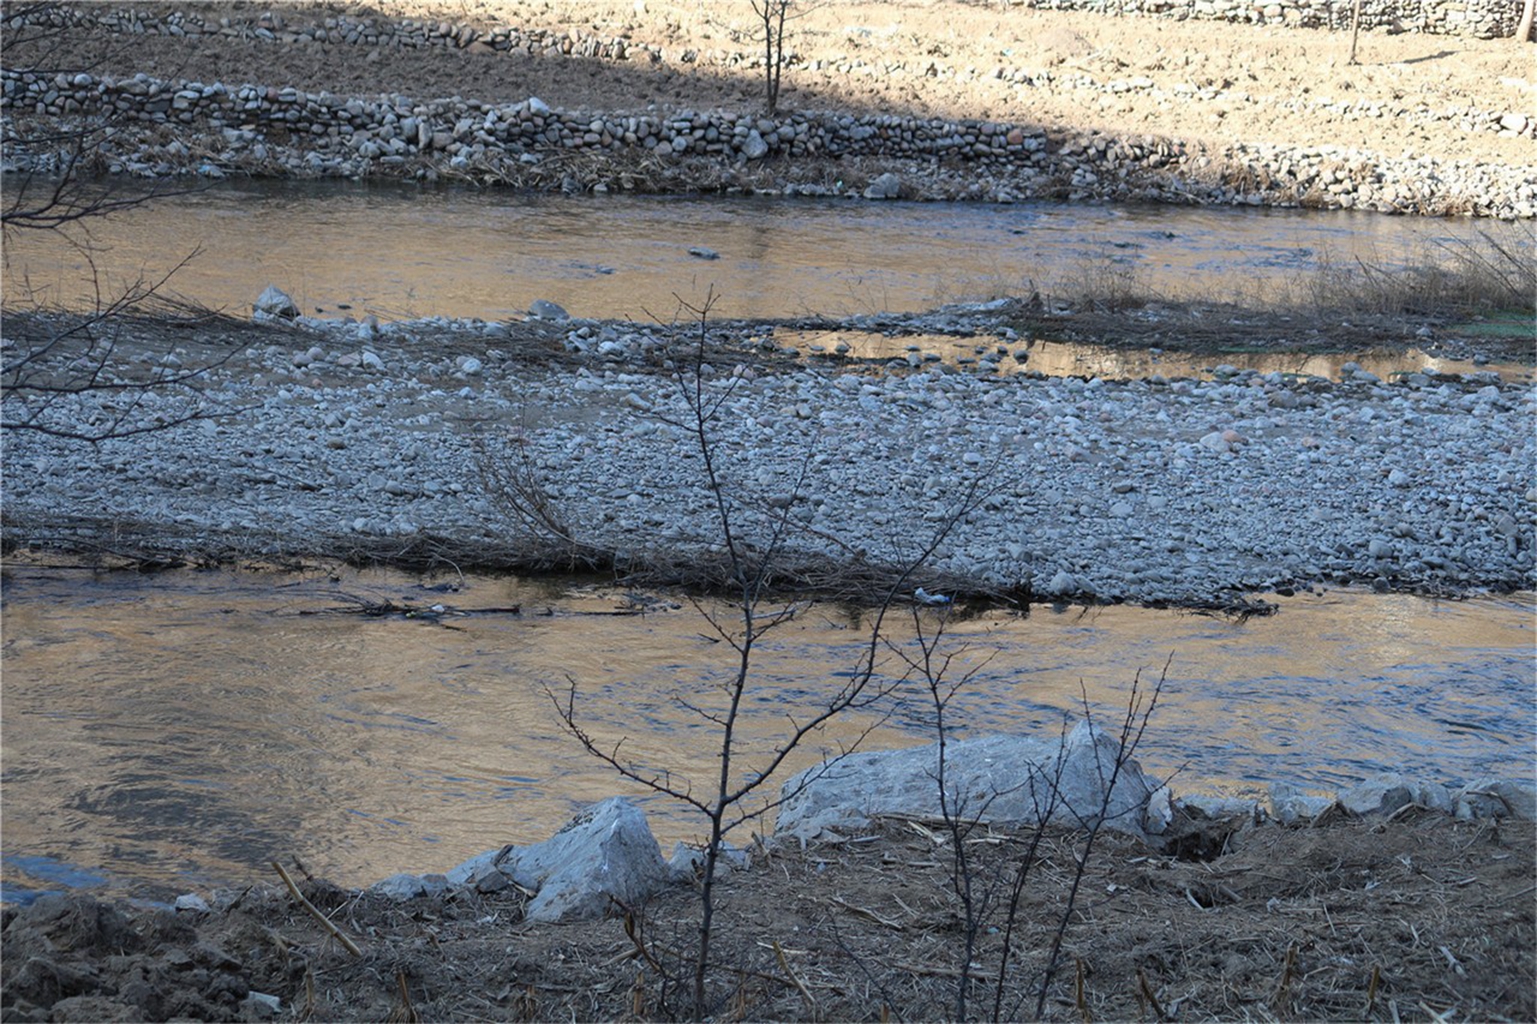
(191, 902)
(1214, 807)
(704, 252)
(401, 887)
(754, 148)
(1498, 798)
(260, 1006)
(1216, 442)
(547, 310)
(606, 851)
(1289, 804)
(887, 186)
(1160, 812)
(1022, 779)
(687, 862)
(1063, 584)
(1388, 791)
(273, 301)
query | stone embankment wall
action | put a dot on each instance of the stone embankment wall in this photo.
(177, 126)
(170, 127)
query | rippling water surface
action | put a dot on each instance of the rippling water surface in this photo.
(400, 251)
(173, 731)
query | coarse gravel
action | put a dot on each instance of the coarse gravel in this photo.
(1177, 491)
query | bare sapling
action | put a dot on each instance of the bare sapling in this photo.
(1140, 705)
(931, 666)
(771, 16)
(990, 898)
(63, 372)
(739, 791)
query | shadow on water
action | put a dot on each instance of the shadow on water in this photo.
(172, 732)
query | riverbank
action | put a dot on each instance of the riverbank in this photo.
(534, 444)
(1360, 920)
(924, 101)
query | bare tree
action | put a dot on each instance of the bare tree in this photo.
(771, 15)
(62, 373)
(991, 900)
(734, 797)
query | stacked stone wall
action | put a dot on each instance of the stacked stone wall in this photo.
(164, 128)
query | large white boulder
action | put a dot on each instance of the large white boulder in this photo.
(1015, 779)
(606, 851)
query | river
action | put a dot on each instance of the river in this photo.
(174, 731)
(399, 251)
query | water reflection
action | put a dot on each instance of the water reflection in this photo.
(178, 730)
(1060, 359)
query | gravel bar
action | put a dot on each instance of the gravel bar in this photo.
(1177, 491)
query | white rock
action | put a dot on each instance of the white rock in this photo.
(1063, 584)
(1000, 778)
(191, 902)
(1289, 804)
(273, 301)
(607, 850)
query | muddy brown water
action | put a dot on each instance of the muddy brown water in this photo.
(170, 732)
(400, 251)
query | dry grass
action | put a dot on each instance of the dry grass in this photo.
(1338, 303)
(1454, 280)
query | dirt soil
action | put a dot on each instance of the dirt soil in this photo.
(1246, 84)
(1417, 918)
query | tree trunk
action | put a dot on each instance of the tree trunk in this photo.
(1524, 28)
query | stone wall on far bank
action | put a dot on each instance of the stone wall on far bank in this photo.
(168, 127)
